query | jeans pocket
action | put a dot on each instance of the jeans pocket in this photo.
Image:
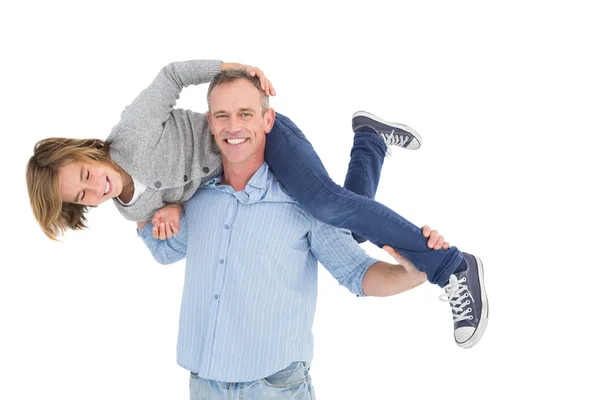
(294, 375)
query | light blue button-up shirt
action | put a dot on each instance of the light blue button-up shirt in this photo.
(250, 287)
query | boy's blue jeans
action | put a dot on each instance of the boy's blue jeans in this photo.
(293, 160)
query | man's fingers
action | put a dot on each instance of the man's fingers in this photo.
(439, 243)
(155, 231)
(161, 231)
(390, 251)
(426, 231)
(433, 238)
(408, 266)
(394, 254)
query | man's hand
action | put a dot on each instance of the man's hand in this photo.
(265, 84)
(166, 221)
(436, 241)
(408, 266)
(384, 279)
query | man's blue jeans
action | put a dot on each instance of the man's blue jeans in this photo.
(293, 160)
(293, 382)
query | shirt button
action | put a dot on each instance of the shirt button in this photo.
(216, 297)
(185, 178)
(157, 184)
(226, 226)
(221, 261)
(205, 169)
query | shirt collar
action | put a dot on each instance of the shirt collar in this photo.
(253, 192)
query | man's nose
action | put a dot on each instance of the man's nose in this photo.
(234, 125)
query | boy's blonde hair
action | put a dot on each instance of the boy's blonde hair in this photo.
(54, 215)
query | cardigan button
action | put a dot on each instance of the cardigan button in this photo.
(157, 184)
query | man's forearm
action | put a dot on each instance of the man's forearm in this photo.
(383, 279)
(165, 251)
(141, 225)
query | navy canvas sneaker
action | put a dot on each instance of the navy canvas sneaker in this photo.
(465, 292)
(392, 133)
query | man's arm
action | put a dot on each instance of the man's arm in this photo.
(353, 268)
(166, 251)
(383, 279)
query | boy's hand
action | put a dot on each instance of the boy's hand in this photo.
(265, 84)
(166, 221)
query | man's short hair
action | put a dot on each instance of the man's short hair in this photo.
(232, 75)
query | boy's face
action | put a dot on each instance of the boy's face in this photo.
(88, 183)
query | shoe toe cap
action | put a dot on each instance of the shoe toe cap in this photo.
(463, 333)
(413, 145)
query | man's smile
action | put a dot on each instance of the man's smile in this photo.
(236, 141)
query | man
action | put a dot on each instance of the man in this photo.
(251, 271)
(165, 154)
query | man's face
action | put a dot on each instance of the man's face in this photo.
(237, 122)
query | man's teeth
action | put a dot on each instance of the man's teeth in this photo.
(235, 141)
(107, 187)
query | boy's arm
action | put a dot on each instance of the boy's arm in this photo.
(153, 106)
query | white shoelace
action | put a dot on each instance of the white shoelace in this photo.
(458, 296)
(392, 140)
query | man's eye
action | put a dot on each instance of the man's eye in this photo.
(88, 176)
(220, 116)
(245, 114)
(82, 197)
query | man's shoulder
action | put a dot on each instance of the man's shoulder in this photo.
(276, 190)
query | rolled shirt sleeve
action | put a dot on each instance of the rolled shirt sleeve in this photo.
(167, 251)
(341, 255)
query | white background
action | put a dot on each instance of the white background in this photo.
(506, 97)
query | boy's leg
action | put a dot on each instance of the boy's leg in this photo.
(296, 164)
(371, 136)
(294, 161)
(364, 169)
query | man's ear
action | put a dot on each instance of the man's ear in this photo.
(209, 116)
(269, 119)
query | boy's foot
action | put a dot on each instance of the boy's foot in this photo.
(393, 134)
(465, 292)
